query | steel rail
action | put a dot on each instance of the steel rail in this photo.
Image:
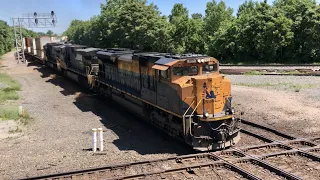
(271, 168)
(266, 139)
(186, 168)
(268, 129)
(216, 161)
(271, 65)
(190, 168)
(104, 168)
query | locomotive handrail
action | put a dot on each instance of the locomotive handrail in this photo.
(192, 114)
(88, 70)
(183, 117)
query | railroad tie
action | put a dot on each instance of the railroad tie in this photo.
(285, 168)
(187, 175)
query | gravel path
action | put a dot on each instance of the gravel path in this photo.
(287, 103)
(59, 137)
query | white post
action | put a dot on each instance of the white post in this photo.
(100, 131)
(94, 139)
(20, 111)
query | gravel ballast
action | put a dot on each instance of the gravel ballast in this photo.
(288, 103)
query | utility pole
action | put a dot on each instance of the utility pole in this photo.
(35, 20)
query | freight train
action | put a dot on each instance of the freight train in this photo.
(184, 95)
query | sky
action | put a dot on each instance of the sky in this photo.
(67, 10)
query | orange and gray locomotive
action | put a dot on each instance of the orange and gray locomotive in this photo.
(184, 95)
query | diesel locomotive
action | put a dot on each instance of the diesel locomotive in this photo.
(184, 95)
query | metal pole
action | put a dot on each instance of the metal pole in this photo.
(22, 44)
(16, 39)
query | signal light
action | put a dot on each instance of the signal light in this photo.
(52, 13)
(35, 14)
(36, 21)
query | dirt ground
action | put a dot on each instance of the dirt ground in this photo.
(58, 138)
(276, 102)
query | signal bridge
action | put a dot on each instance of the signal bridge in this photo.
(35, 20)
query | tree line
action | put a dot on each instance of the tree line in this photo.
(7, 40)
(286, 31)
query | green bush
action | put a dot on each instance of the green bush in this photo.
(10, 92)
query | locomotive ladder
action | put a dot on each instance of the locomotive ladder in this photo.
(190, 116)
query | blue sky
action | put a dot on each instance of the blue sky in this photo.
(67, 10)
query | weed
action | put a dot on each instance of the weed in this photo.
(256, 85)
(285, 85)
(10, 92)
(9, 113)
(293, 72)
(12, 113)
(253, 73)
(17, 130)
(13, 84)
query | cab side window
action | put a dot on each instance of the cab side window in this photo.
(164, 75)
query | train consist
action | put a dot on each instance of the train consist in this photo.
(184, 95)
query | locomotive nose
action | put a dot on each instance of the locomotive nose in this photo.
(207, 90)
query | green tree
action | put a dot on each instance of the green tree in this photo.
(180, 31)
(217, 16)
(131, 23)
(195, 36)
(49, 33)
(41, 33)
(6, 37)
(305, 16)
(286, 31)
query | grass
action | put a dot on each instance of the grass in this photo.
(286, 85)
(12, 113)
(252, 62)
(250, 73)
(293, 72)
(10, 92)
(256, 85)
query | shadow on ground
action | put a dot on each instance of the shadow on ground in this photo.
(134, 133)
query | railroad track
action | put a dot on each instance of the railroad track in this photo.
(274, 155)
(269, 65)
(282, 70)
(280, 156)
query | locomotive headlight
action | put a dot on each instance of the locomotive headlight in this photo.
(202, 60)
(206, 114)
(199, 60)
(232, 111)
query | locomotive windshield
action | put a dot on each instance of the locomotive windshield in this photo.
(185, 71)
(209, 68)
